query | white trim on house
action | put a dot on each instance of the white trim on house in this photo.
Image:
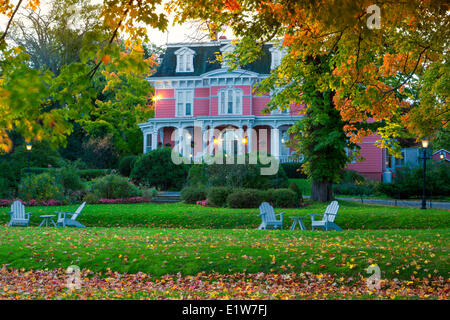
(184, 103)
(225, 50)
(230, 101)
(277, 56)
(185, 59)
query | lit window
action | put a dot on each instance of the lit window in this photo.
(230, 101)
(184, 103)
(185, 60)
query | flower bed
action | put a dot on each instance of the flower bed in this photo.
(124, 200)
(31, 203)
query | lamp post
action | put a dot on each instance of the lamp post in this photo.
(29, 147)
(425, 144)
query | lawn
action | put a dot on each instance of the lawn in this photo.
(399, 253)
(129, 263)
(174, 251)
(180, 215)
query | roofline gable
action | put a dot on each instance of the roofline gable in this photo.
(184, 50)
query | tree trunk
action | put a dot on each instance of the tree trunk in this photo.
(321, 191)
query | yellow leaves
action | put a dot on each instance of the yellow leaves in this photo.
(273, 259)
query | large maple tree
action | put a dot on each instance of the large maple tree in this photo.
(383, 66)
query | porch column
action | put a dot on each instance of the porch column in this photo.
(211, 140)
(154, 139)
(162, 137)
(240, 145)
(275, 142)
(205, 139)
(144, 147)
(249, 139)
(177, 142)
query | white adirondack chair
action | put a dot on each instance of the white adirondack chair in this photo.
(70, 222)
(269, 218)
(327, 222)
(18, 215)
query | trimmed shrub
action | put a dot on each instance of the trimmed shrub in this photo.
(353, 189)
(350, 176)
(69, 178)
(408, 182)
(41, 187)
(294, 170)
(42, 155)
(114, 186)
(149, 193)
(90, 174)
(246, 198)
(156, 169)
(91, 198)
(126, 164)
(193, 194)
(294, 187)
(217, 196)
(236, 176)
(282, 198)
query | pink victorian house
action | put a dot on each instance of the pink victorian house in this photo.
(193, 90)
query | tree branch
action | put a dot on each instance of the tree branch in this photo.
(2, 38)
(94, 70)
(410, 75)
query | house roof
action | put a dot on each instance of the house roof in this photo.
(205, 60)
(439, 151)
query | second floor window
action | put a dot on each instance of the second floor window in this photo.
(230, 101)
(280, 111)
(184, 103)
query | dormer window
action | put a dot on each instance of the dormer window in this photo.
(185, 60)
(226, 50)
(277, 56)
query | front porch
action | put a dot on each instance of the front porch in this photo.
(195, 137)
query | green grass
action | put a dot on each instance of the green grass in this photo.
(180, 215)
(398, 253)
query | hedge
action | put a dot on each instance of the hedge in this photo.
(87, 174)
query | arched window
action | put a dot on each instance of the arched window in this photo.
(230, 101)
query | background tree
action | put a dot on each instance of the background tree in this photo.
(39, 104)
